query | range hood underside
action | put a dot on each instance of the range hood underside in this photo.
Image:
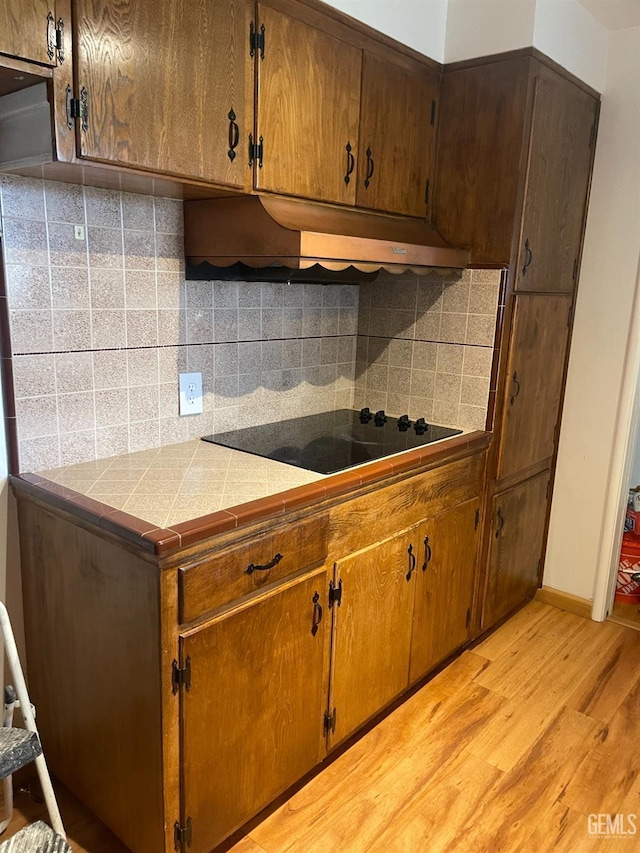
(271, 233)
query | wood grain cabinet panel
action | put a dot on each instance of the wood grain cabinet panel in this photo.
(307, 110)
(397, 136)
(255, 564)
(252, 717)
(372, 630)
(517, 541)
(444, 586)
(165, 86)
(535, 375)
(28, 30)
(557, 183)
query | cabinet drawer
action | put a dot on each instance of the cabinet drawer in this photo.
(239, 570)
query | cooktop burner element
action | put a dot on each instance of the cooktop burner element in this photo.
(332, 441)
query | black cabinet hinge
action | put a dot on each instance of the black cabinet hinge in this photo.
(182, 835)
(60, 40)
(476, 520)
(330, 722)
(255, 151)
(335, 593)
(433, 113)
(181, 676)
(427, 191)
(468, 620)
(256, 40)
(548, 489)
(78, 108)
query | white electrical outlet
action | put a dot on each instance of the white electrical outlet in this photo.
(190, 393)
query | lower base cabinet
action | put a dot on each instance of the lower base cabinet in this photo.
(515, 550)
(372, 630)
(206, 681)
(445, 585)
(252, 713)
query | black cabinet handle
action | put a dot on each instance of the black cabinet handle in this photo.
(528, 256)
(412, 562)
(234, 135)
(252, 567)
(51, 36)
(351, 162)
(500, 523)
(517, 388)
(317, 613)
(428, 554)
(370, 168)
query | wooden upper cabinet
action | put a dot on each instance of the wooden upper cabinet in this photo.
(307, 110)
(252, 717)
(397, 136)
(516, 545)
(444, 586)
(535, 373)
(558, 172)
(28, 30)
(372, 630)
(166, 86)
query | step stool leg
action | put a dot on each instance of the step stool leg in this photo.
(29, 721)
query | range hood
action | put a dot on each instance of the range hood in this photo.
(271, 238)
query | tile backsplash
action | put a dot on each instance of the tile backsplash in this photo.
(102, 321)
(425, 346)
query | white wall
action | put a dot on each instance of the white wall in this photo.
(480, 27)
(586, 485)
(567, 33)
(420, 24)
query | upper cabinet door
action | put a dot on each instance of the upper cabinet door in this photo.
(28, 30)
(559, 168)
(308, 107)
(535, 373)
(165, 86)
(397, 136)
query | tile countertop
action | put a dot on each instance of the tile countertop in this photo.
(179, 494)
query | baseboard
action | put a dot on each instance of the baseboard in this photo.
(565, 601)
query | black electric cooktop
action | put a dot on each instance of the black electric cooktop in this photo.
(332, 441)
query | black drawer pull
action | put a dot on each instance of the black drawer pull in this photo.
(412, 562)
(512, 399)
(254, 568)
(500, 524)
(317, 613)
(528, 256)
(370, 168)
(427, 554)
(351, 162)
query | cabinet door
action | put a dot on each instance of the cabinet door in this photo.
(28, 30)
(372, 630)
(535, 371)
(252, 717)
(517, 540)
(165, 84)
(308, 104)
(397, 134)
(559, 168)
(444, 586)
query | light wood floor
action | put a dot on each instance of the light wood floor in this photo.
(626, 614)
(510, 748)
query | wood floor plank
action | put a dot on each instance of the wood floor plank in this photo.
(497, 643)
(608, 772)
(520, 664)
(523, 794)
(580, 654)
(360, 809)
(562, 830)
(600, 692)
(432, 819)
(248, 845)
